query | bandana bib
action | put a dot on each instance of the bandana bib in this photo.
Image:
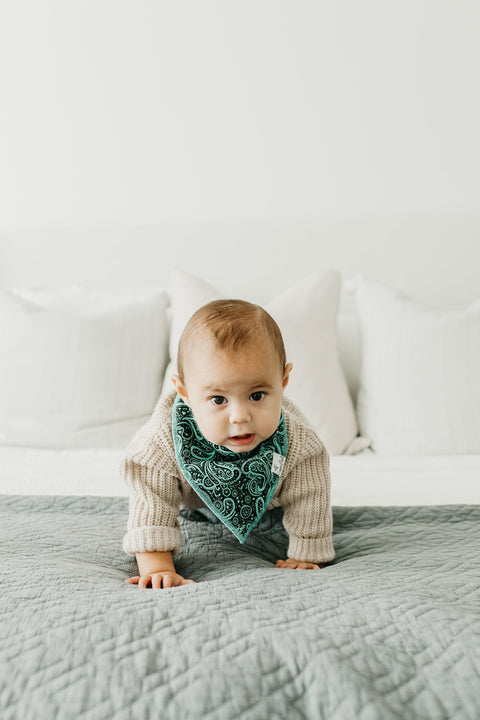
(237, 487)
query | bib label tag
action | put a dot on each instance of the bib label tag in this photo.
(277, 464)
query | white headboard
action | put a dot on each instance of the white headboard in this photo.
(434, 259)
(437, 262)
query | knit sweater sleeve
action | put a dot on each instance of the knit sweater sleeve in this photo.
(305, 497)
(149, 470)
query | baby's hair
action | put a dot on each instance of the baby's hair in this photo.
(232, 324)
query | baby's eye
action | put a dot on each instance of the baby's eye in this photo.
(257, 396)
(218, 400)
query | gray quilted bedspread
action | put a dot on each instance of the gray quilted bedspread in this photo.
(391, 629)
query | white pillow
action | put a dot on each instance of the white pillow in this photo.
(420, 378)
(306, 315)
(79, 367)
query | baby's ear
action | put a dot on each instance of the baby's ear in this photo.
(181, 389)
(287, 371)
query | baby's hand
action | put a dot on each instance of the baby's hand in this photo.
(164, 579)
(292, 564)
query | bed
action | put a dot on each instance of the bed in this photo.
(390, 629)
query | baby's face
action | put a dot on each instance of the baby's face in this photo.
(235, 397)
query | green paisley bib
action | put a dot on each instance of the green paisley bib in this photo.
(237, 487)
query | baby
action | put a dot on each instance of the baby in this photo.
(227, 439)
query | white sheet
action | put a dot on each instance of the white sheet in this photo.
(363, 479)
(371, 479)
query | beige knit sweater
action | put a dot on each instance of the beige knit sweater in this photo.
(158, 489)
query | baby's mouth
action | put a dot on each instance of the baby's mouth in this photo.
(242, 439)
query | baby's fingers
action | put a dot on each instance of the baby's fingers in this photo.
(133, 580)
(186, 582)
(293, 564)
(144, 581)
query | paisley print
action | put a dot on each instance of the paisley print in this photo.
(237, 487)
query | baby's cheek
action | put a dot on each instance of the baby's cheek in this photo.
(207, 428)
(269, 425)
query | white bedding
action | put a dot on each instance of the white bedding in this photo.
(363, 479)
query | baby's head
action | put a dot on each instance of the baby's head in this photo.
(232, 371)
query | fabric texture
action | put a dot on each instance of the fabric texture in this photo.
(307, 316)
(237, 487)
(79, 367)
(158, 489)
(419, 388)
(389, 630)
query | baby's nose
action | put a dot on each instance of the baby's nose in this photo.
(239, 413)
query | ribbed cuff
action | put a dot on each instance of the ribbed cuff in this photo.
(153, 538)
(314, 550)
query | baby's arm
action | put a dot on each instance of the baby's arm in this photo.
(305, 497)
(153, 526)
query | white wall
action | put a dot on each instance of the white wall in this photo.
(342, 132)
